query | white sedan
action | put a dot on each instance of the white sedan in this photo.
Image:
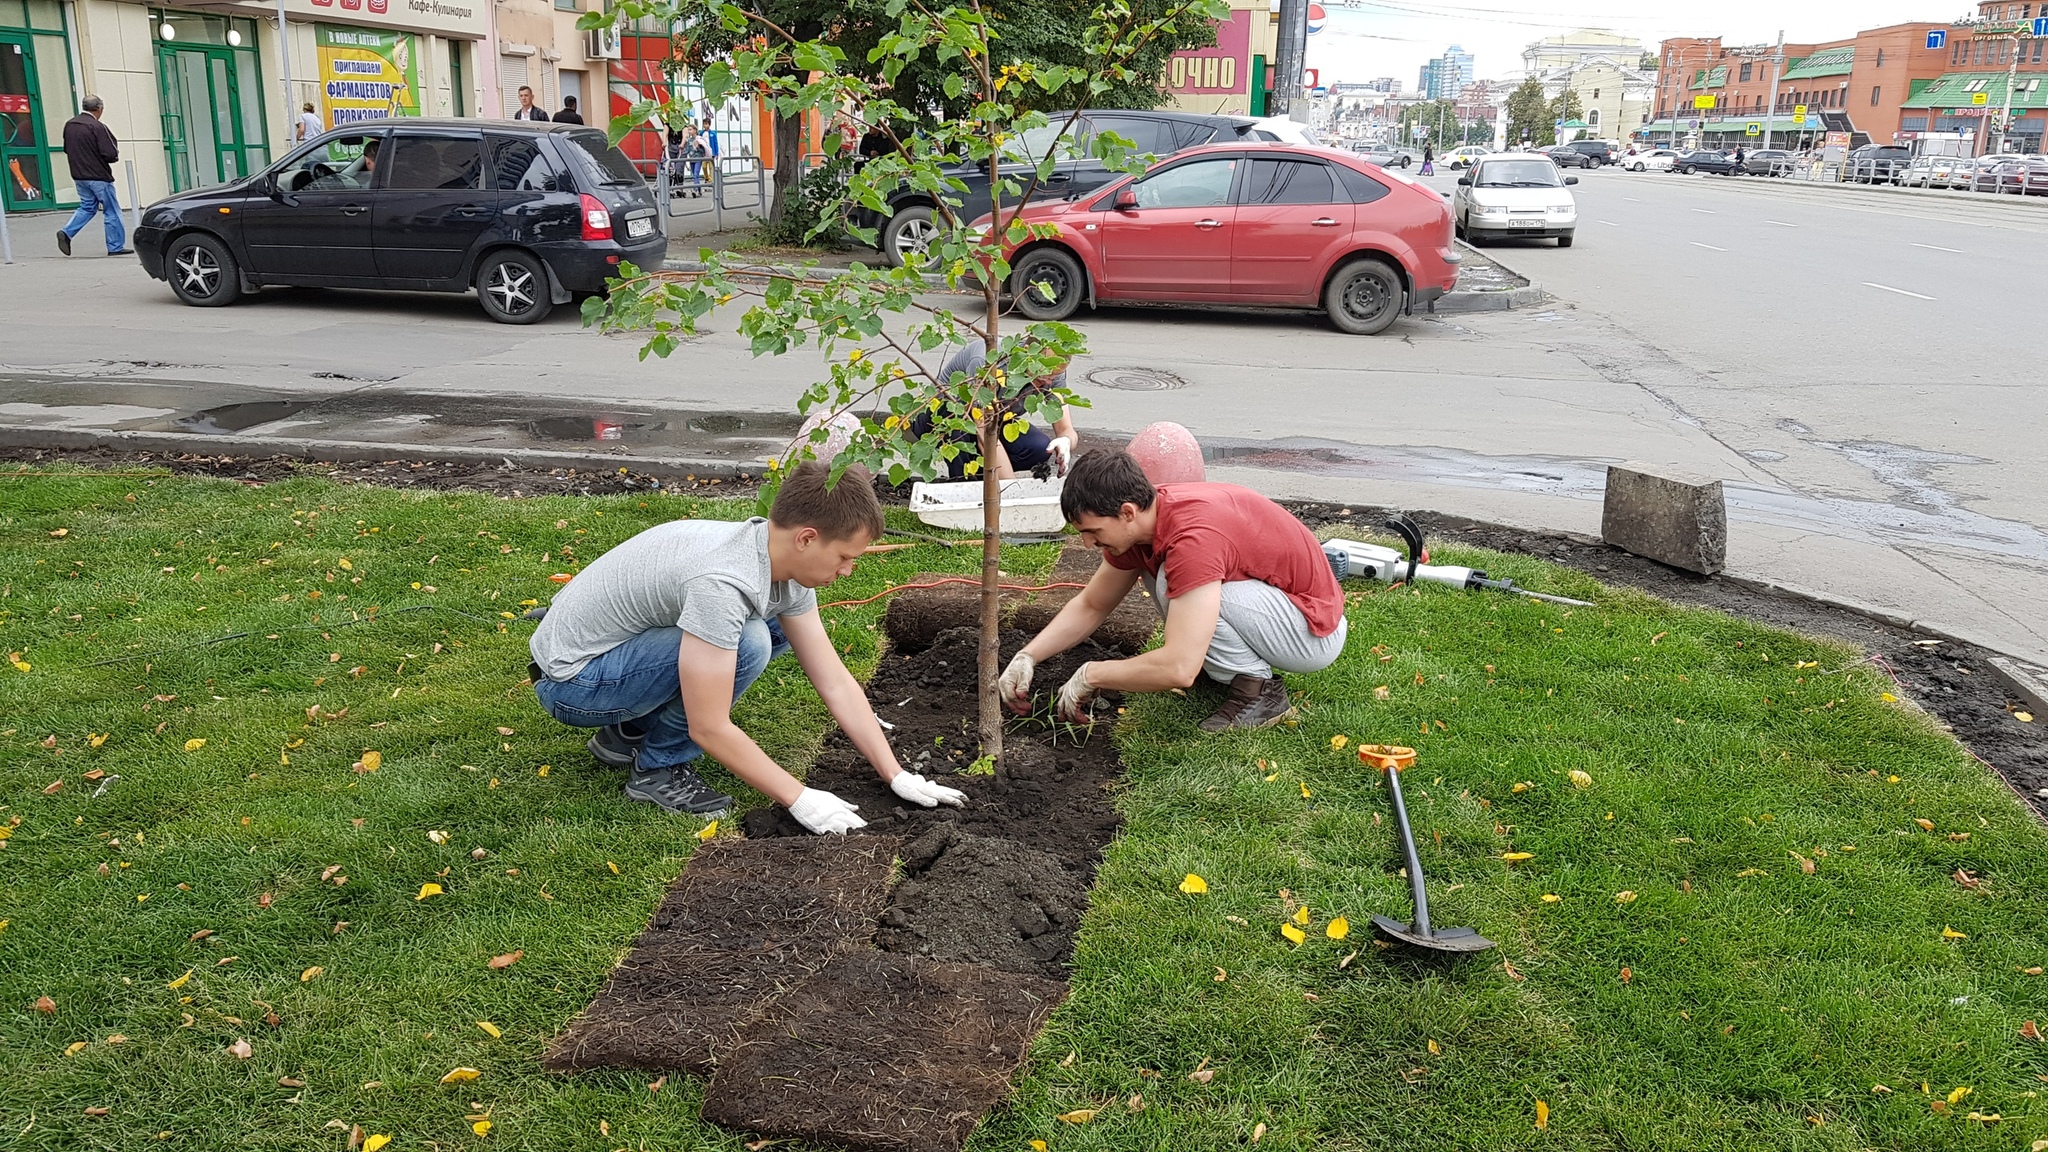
(1515, 194)
(1654, 160)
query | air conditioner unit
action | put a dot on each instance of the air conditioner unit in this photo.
(602, 43)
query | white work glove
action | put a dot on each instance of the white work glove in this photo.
(824, 813)
(1061, 453)
(918, 790)
(1075, 696)
(1015, 686)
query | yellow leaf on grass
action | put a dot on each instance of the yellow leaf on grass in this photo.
(311, 974)
(1305, 793)
(1301, 915)
(372, 1143)
(1887, 697)
(1038, 1146)
(460, 1075)
(1337, 743)
(74, 1048)
(1080, 1115)
(20, 665)
(1337, 929)
(1517, 857)
(194, 744)
(1925, 824)
(344, 565)
(1292, 933)
(438, 836)
(428, 889)
(1193, 885)
(1551, 897)
(1952, 934)
(1581, 779)
(1521, 786)
(372, 761)
(1624, 897)
(481, 1127)
(180, 981)
(95, 739)
(489, 1028)
(613, 867)
(1542, 1114)
(1956, 1097)
(1746, 873)
(1434, 1050)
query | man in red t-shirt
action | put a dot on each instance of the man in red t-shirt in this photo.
(1244, 586)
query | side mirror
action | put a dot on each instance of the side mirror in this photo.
(1126, 200)
(1571, 179)
(1464, 181)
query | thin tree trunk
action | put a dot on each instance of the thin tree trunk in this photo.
(789, 162)
(991, 595)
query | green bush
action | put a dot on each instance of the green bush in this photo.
(809, 206)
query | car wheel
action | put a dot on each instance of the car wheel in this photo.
(1565, 241)
(911, 230)
(1404, 161)
(513, 287)
(1048, 284)
(1365, 297)
(202, 271)
(1639, 166)
(1686, 171)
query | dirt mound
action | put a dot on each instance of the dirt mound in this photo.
(744, 922)
(986, 901)
(883, 1052)
(1053, 794)
(917, 617)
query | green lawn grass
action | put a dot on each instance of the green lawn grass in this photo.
(1763, 1003)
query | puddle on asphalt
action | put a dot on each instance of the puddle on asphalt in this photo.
(227, 419)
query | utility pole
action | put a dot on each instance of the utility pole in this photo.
(2019, 38)
(1777, 70)
(1290, 56)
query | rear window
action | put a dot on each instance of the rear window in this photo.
(607, 163)
(1361, 188)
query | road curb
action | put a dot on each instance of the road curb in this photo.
(362, 451)
(1933, 195)
(1529, 296)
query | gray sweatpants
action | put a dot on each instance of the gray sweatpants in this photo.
(1259, 629)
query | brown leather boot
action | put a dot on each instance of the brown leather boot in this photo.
(1254, 702)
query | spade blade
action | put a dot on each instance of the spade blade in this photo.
(1442, 940)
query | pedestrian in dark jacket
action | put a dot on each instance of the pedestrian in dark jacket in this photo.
(91, 149)
(568, 114)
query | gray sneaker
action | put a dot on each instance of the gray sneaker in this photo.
(678, 790)
(613, 748)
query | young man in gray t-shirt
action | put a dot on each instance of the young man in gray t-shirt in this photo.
(653, 642)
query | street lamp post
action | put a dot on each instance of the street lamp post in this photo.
(2019, 37)
(1777, 73)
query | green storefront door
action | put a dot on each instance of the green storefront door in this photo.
(205, 135)
(24, 162)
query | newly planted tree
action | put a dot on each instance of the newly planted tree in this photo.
(885, 399)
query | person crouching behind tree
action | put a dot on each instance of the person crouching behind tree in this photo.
(654, 640)
(1021, 455)
(1245, 588)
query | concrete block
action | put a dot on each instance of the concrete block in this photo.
(1676, 518)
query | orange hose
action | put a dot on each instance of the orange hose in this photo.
(941, 583)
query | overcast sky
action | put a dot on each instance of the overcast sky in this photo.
(1373, 38)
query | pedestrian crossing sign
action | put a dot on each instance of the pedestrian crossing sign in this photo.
(1754, 129)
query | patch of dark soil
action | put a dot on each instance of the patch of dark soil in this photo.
(497, 479)
(743, 923)
(883, 1052)
(915, 618)
(975, 898)
(1053, 794)
(1951, 679)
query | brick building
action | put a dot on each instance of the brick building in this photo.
(1857, 85)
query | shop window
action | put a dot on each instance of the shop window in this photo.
(569, 5)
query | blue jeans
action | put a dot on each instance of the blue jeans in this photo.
(637, 681)
(98, 196)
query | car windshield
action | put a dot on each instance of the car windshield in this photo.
(613, 169)
(1517, 174)
(1031, 146)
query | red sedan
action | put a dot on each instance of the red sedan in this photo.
(1271, 225)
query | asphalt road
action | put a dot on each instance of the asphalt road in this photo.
(1879, 447)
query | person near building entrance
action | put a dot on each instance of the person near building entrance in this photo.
(526, 110)
(309, 124)
(91, 149)
(1245, 588)
(568, 114)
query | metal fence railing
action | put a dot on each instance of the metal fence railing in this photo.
(695, 191)
(2003, 177)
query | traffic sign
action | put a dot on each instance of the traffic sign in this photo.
(1706, 101)
(1938, 37)
(1692, 123)
(1754, 129)
(1980, 97)
(1799, 110)
(2040, 26)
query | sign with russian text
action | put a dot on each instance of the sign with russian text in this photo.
(367, 74)
(1222, 70)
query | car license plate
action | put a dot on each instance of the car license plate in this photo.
(644, 226)
(1525, 223)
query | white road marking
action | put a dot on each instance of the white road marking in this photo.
(1631, 199)
(1781, 224)
(1900, 291)
(1610, 223)
(1939, 248)
(1704, 211)
(1697, 244)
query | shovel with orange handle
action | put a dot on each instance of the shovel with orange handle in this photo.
(1393, 760)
